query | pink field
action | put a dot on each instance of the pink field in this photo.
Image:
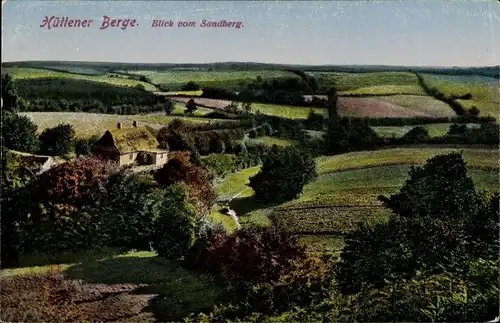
(209, 103)
(368, 107)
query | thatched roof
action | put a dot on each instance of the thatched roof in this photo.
(133, 139)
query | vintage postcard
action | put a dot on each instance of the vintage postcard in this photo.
(250, 161)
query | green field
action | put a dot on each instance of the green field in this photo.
(486, 108)
(192, 93)
(285, 111)
(90, 124)
(33, 73)
(362, 186)
(435, 130)
(457, 86)
(175, 78)
(485, 95)
(269, 141)
(476, 158)
(389, 89)
(236, 183)
(352, 81)
(366, 161)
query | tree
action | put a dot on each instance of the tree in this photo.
(417, 135)
(190, 107)
(175, 138)
(140, 87)
(19, 133)
(168, 107)
(174, 228)
(57, 141)
(190, 86)
(437, 222)
(315, 121)
(345, 134)
(10, 98)
(457, 129)
(283, 175)
(83, 146)
(130, 207)
(198, 180)
(474, 111)
(333, 98)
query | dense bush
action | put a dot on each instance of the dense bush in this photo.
(267, 270)
(252, 133)
(283, 175)
(251, 254)
(19, 133)
(59, 212)
(57, 141)
(437, 298)
(315, 121)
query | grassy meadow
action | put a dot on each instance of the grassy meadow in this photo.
(87, 125)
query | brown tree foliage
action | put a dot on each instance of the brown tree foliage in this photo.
(199, 180)
(76, 183)
(254, 254)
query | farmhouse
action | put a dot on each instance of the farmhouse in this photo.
(127, 146)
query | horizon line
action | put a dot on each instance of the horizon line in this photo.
(250, 62)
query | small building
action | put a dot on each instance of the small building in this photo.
(130, 145)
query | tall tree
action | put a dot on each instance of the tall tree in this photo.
(10, 98)
(332, 102)
(175, 227)
(190, 107)
(284, 173)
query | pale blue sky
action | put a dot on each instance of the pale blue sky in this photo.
(431, 33)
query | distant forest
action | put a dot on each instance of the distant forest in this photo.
(489, 71)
